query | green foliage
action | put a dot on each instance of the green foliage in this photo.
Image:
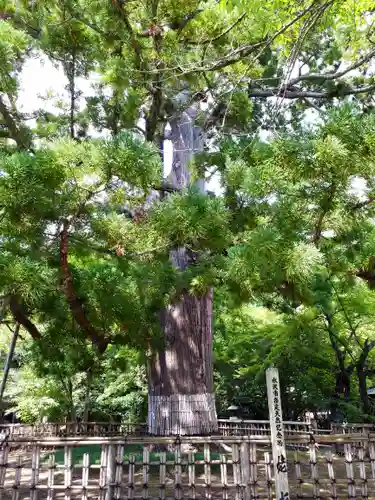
(69, 381)
(194, 220)
(13, 44)
(36, 397)
(289, 245)
(298, 250)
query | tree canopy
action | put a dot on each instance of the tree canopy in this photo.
(284, 97)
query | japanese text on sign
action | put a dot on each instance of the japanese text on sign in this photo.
(279, 425)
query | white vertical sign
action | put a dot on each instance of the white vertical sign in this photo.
(277, 434)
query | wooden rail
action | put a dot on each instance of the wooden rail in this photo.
(225, 428)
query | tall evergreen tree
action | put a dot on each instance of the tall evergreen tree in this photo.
(80, 250)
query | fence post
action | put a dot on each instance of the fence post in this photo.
(111, 471)
(277, 434)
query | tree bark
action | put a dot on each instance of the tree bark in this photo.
(362, 376)
(181, 398)
(362, 384)
(72, 412)
(343, 373)
(8, 361)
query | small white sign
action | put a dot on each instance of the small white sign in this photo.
(277, 434)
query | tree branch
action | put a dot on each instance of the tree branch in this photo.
(238, 54)
(4, 134)
(221, 35)
(165, 188)
(95, 28)
(367, 275)
(179, 25)
(302, 94)
(308, 77)
(134, 42)
(310, 104)
(70, 70)
(334, 339)
(353, 330)
(324, 210)
(362, 204)
(112, 252)
(75, 305)
(155, 111)
(16, 132)
(20, 317)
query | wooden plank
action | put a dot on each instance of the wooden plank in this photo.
(349, 471)
(178, 472)
(299, 480)
(3, 468)
(224, 476)
(35, 463)
(17, 479)
(277, 434)
(236, 471)
(268, 474)
(85, 475)
(145, 472)
(331, 475)
(253, 471)
(162, 474)
(207, 470)
(106, 429)
(372, 459)
(131, 477)
(301, 438)
(110, 472)
(147, 440)
(68, 472)
(119, 471)
(51, 477)
(191, 471)
(362, 472)
(102, 471)
(245, 470)
(314, 470)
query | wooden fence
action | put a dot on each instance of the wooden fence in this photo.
(239, 427)
(226, 467)
(228, 427)
(352, 428)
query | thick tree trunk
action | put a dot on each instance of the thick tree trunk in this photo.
(362, 384)
(347, 385)
(181, 398)
(342, 388)
(343, 373)
(362, 377)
